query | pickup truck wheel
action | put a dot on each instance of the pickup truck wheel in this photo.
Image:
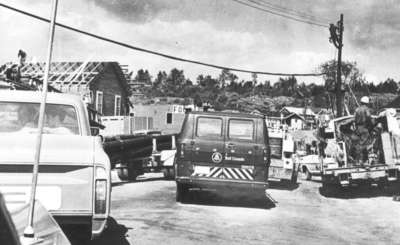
(123, 173)
(182, 192)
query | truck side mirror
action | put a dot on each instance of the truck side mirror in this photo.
(94, 131)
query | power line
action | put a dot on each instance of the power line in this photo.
(155, 52)
(281, 15)
(293, 11)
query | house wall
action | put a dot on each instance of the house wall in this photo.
(296, 123)
(159, 115)
(273, 122)
(109, 84)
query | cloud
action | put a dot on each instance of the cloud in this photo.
(214, 31)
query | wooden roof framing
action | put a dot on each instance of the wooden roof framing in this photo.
(65, 73)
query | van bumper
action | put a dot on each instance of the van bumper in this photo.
(209, 183)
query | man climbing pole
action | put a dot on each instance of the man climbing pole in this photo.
(364, 126)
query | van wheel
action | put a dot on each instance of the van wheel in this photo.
(182, 192)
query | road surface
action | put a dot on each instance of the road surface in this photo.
(145, 212)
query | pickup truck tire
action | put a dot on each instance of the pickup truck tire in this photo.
(182, 192)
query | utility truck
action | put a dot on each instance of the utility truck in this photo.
(383, 163)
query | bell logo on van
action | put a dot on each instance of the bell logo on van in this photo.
(216, 157)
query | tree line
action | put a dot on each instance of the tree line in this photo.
(227, 91)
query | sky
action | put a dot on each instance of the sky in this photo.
(221, 32)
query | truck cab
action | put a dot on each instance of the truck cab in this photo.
(222, 150)
(74, 181)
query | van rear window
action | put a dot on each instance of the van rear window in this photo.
(207, 126)
(241, 129)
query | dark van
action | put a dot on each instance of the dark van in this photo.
(222, 150)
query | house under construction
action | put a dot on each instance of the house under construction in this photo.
(103, 85)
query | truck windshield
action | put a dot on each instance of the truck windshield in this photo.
(19, 117)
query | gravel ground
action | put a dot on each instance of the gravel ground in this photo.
(145, 212)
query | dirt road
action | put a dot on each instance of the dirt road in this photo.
(145, 212)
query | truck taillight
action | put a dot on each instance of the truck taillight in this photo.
(182, 150)
(265, 154)
(100, 197)
(100, 205)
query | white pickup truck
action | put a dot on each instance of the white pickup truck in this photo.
(74, 181)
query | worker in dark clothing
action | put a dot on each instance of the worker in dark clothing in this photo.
(364, 126)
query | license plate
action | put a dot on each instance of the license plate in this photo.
(202, 170)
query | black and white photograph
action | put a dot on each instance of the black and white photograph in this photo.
(129, 122)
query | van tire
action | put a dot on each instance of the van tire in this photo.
(182, 192)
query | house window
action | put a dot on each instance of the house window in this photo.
(117, 105)
(169, 118)
(91, 96)
(99, 102)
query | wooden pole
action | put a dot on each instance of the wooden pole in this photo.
(339, 94)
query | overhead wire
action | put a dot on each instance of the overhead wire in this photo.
(293, 11)
(295, 18)
(155, 52)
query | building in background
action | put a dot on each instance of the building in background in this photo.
(103, 85)
(297, 118)
(167, 118)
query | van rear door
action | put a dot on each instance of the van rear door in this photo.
(241, 148)
(208, 146)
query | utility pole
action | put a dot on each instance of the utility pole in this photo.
(337, 40)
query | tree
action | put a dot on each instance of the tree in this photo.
(174, 84)
(157, 88)
(351, 75)
(142, 76)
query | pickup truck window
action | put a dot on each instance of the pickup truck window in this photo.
(241, 129)
(18, 117)
(207, 126)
